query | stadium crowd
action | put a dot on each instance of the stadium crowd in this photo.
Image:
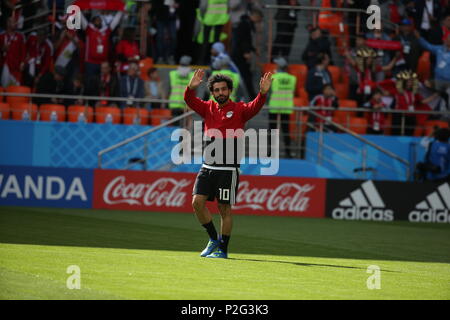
(383, 68)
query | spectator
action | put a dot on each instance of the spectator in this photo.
(187, 17)
(360, 43)
(39, 57)
(69, 50)
(445, 26)
(437, 101)
(442, 67)
(12, 58)
(131, 86)
(98, 41)
(286, 22)
(154, 89)
(328, 101)
(127, 50)
(52, 83)
(436, 165)
(179, 79)
(406, 99)
(76, 88)
(411, 48)
(212, 15)
(428, 15)
(105, 84)
(318, 77)
(383, 55)
(222, 66)
(281, 101)
(164, 12)
(318, 43)
(376, 119)
(242, 54)
(218, 53)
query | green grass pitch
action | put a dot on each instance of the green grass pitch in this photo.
(152, 255)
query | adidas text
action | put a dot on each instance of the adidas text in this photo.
(361, 213)
(430, 215)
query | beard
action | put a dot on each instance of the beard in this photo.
(221, 99)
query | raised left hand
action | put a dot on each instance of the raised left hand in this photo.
(265, 83)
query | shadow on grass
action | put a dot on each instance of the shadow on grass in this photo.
(303, 264)
(181, 232)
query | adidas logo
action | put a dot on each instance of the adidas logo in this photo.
(364, 203)
(435, 208)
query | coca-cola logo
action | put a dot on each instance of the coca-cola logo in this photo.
(162, 192)
(288, 196)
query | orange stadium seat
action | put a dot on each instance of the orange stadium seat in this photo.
(4, 111)
(47, 111)
(1, 97)
(130, 114)
(342, 90)
(294, 125)
(301, 102)
(74, 112)
(358, 125)
(159, 115)
(346, 103)
(300, 71)
(18, 111)
(342, 118)
(17, 89)
(335, 74)
(431, 124)
(103, 113)
(269, 67)
(424, 66)
(144, 66)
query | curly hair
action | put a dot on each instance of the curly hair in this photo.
(219, 78)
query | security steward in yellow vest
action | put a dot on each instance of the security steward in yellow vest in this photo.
(179, 79)
(281, 101)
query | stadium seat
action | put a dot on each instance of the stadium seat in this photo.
(47, 112)
(430, 126)
(342, 118)
(301, 102)
(17, 89)
(335, 74)
(358, 125)
(130, 114)
(342, 90)
(75, 113)
(159, 115)
(294, 125)
(108, 114)
(300, 71)
(24, 111)
(269, 67)
(144, 66)
(424, 66)
(2, 97)
(346, 103)
(4, 111)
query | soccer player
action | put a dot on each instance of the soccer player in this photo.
(220, 179)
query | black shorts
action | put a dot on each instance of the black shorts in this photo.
(217, 184)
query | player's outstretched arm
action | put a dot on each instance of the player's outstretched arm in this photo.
(265, 83)
(196, 79)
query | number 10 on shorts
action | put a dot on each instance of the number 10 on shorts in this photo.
(224, 194)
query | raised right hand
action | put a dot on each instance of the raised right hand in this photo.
(197, 79)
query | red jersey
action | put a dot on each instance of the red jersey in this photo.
(128, 50)
(322, 101)
(232, 115)
(97, 44)
(14, 54)
(376, 119)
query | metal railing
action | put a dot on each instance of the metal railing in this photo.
(298, 145)
(309, 15)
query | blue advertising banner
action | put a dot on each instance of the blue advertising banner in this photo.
(46, 187)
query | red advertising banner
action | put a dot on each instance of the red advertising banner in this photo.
(172, 192)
